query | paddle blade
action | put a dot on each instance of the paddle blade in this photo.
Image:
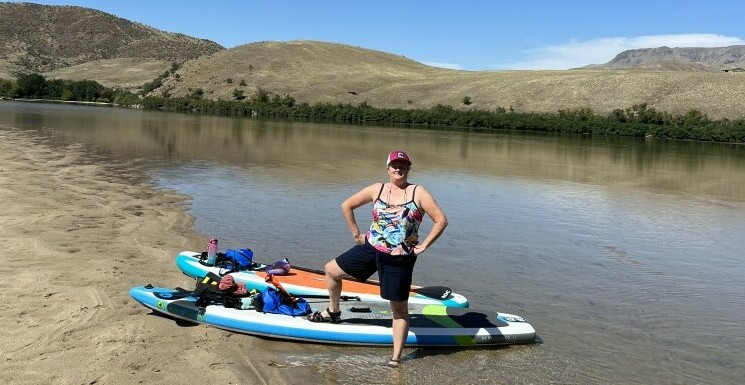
(438, 292)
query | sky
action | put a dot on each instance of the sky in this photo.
(468, 35)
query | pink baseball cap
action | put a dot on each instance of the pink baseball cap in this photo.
(397, 155)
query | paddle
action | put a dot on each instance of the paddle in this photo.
(322, 296)
(437, 292)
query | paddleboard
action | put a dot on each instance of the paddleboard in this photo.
(301, 282)
(430, 325)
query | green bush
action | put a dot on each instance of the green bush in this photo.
(6, 87)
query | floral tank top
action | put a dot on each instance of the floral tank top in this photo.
(395, 228)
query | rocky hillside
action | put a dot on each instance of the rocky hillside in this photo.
(40, 38)
(685, 59)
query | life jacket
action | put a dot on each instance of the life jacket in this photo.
(208, 290)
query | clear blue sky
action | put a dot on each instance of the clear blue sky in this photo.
(470, 35)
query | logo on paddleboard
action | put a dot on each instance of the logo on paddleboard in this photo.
(446, 294)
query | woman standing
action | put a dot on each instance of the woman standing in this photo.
(390, 246)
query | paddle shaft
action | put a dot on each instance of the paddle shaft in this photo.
(322, 296)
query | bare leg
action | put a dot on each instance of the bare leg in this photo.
(400, 310)
(334, 275)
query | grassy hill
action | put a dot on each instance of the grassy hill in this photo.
(128, 73)
(314, 72)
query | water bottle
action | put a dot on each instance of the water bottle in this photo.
(212, 252)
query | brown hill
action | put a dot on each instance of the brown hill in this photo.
(307, 70)
(40, 38)
(326, 72)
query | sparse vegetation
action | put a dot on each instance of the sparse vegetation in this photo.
(238, 94)
(467, 100)
(196, 93)
(261, 96)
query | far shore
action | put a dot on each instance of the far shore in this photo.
(64, 102)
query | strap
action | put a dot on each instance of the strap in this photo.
(381, 191)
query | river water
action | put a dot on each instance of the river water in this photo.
(626, 255)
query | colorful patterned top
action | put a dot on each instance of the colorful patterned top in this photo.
(395, 228)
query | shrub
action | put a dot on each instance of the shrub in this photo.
(238, 94)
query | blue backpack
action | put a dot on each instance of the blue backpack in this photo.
(277, 303)
(241, 259)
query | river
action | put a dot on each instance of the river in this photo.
(625, 254)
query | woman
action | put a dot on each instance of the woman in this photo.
(390, 246)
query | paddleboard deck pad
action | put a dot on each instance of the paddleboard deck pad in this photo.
(369, 323)
(301, 281)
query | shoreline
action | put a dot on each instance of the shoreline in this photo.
(77, 236)
(53, 101)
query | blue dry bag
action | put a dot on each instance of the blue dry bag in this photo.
(275, 302)
(241, 259)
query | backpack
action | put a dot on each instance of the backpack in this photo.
(273, 301)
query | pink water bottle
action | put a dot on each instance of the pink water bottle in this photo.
(212, 251)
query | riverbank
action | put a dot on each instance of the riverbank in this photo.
(74, 102)
(76, 235)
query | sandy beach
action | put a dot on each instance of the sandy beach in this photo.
(76, 235)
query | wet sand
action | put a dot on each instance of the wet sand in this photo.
(75, 235)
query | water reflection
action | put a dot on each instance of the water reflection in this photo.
(314, 152)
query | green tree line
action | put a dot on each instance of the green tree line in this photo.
(35, 86)
(638, 121)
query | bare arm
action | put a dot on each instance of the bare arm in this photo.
(366, 195)
(433, 210)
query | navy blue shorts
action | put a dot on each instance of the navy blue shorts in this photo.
(362, 261)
